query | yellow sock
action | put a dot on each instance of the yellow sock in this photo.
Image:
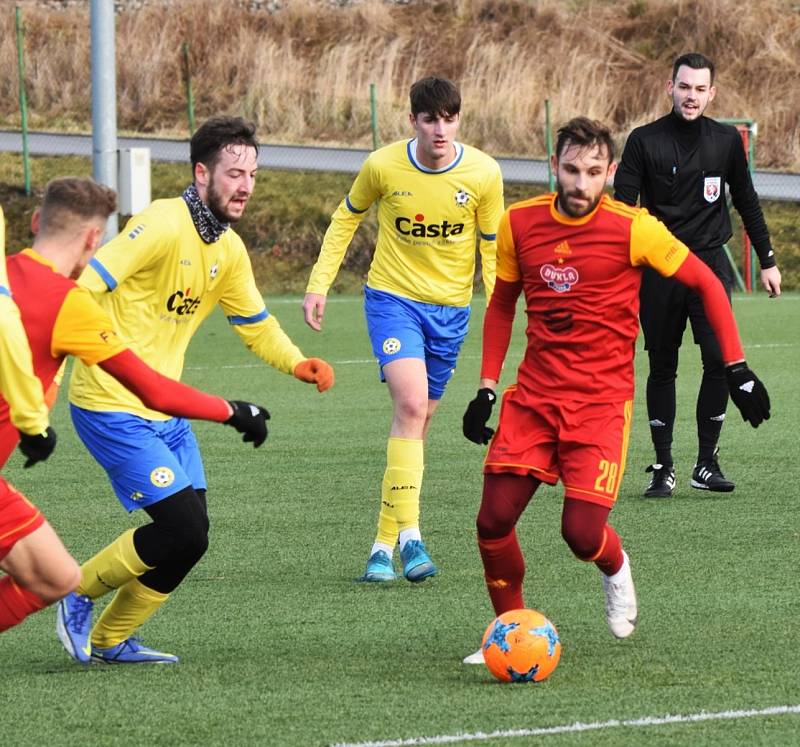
(400, 489)
(112, 567)
(132, 605)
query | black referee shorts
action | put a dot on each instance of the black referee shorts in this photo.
(665, 304)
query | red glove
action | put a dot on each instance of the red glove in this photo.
(315, 371)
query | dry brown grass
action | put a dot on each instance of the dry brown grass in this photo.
(303, 73)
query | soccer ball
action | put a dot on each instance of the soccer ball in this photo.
(521, 646)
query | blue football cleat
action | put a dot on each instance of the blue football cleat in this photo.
(73, 624)
(131, 651)
(379, 568)
(417, 565)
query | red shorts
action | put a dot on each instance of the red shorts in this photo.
(18, 517)
(584, 444)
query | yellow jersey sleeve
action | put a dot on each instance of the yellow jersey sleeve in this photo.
(653, 245)
(507, 264)
(19, 386)
(344, 222)
(84, 330)
(490, 211)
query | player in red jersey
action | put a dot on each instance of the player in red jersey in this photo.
(62, 319)
(577, 255)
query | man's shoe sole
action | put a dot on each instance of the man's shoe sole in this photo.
(702, 486)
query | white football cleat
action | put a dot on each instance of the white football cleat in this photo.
(476, 658)
(621, 608)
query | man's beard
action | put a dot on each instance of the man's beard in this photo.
(216, 206)
(562, 201)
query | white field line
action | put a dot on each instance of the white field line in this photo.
(361, 361)
(578, 726)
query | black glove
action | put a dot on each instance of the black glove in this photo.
(478, 413)
(748, 393)
(251, 420)
(37, 448)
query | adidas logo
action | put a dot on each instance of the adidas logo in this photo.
(656, 423)
(748, 386)
(718, 418)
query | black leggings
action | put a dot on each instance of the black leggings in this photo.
(175, 540)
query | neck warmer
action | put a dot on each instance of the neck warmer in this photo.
(205, 222)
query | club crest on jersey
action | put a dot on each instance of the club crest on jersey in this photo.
(711, 188)
(391, 345)
(560, 279)
(212, 273)
(162, 477)
(461, 197)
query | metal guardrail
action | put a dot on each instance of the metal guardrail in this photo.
(769, 185)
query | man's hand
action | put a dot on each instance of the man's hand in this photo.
(315, 371)
(771, 280)
(477, 415)
(748, 393)
(314, 310)
(249, 419)
(37, 448)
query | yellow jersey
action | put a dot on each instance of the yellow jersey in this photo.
(158, 280)
(429, 223)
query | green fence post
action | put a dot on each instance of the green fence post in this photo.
(548, 141)
(23, 104)
(373, 108)
(187, 74)
(751, 164)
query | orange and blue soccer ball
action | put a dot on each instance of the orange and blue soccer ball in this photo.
(521, 646)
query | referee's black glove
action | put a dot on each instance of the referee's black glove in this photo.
(249, 419)
(477, 415)
(37, 448)
(748, 393)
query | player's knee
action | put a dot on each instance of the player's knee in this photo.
(58, 581)
(492, 524)
(663, 366)
(411, 411)
(585, 542)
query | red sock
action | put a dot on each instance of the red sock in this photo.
(609, 559)
(16, 603)
(504, 569)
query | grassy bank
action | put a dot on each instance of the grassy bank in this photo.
(289, 212)
(303, 71)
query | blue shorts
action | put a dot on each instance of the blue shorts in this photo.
(401, 328)
(146, 460)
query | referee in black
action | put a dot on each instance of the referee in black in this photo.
(679, 167)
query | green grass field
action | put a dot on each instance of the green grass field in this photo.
(279, 646)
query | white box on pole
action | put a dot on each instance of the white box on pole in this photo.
(134, 180)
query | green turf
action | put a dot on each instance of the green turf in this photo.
(279, 646)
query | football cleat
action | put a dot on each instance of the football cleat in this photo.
(621, 608)
(379, 568)
(417, 565)
(73, 624)
(476, 658)
(131, 651)
(708, 476)
(662, 483)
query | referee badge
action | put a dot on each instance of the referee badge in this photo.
(711, 188)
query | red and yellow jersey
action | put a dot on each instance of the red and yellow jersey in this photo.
(60, 319)
(18, 384)
(580, 278)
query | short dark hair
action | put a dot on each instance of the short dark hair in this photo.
(435, 96)
(218, 133)
(70, 198)
(694, 60)
(583, 131)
